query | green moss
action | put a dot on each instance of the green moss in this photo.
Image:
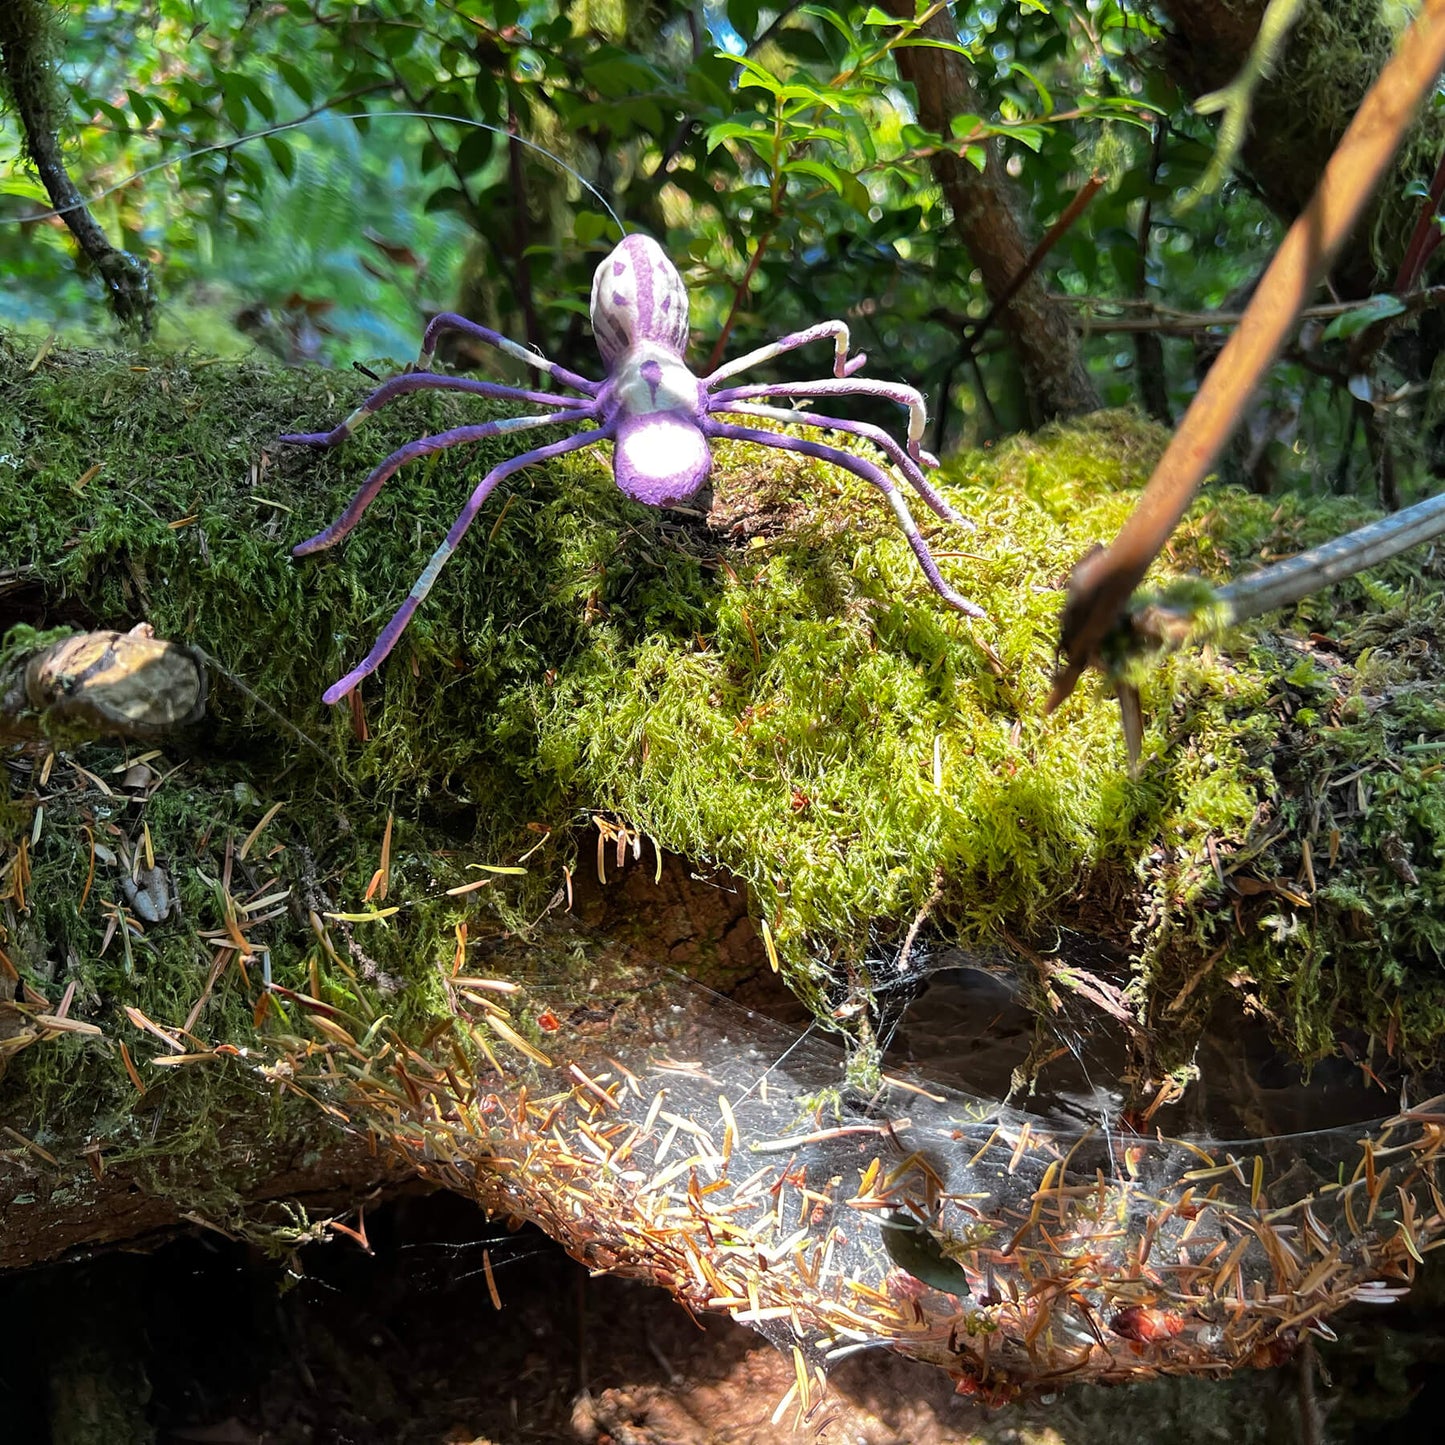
(795, 707)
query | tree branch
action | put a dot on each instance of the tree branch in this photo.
(27, 71)
(987, 217)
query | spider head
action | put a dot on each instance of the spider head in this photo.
(660, 458)
(637, 296)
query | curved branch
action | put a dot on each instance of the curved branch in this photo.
(27, 68)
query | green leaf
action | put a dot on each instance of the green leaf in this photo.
(296, 79)
(616, 74)
(590, 226)
(489, 96)
(964, 125)
(397, 39)
(856, 193)
(818, 171)
(282, 155)
(144, 112)
(1046, 100)
(448, 198)
(924, 42)
(256, 93)
(735, 130)
(476, 150)
(829, 17)
(235, 109)
(743, 16)
(801, 45)
(754, 75)
(896, 223)
(1377, 308)
(113, 113)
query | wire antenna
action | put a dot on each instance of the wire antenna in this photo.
(238, 141)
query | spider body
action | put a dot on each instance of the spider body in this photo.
(660, 417)
(654, 404)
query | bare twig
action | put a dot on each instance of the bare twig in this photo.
(1103, 581)
(1050, 239)
(1148, 348)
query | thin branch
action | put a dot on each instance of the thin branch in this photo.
(1148, 348)
(740, 294)
(521, 240)
(1191, 610)
(28, 71)
(1102, 583)
(1021, 278)
(1154, 316)
(1426, 235)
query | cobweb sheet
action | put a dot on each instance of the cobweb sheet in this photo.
(705, 1148)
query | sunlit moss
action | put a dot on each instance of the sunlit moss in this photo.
(781, 696)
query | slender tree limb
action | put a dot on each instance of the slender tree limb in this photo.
(1052, 237)
(1191, 610)
(521, 230)
(1103, 581)
(1426, 236)
(1148, 348)
(27, 70)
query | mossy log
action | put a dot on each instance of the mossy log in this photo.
(771, 694)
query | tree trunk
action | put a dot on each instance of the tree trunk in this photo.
(987, 214)
(1300, 111)
(30, 74)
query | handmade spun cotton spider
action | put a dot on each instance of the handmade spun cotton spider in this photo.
(660, 417)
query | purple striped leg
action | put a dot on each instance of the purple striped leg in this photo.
(861, 467)
(423, 584)
(836, 331)
(424, 446)
(411, 381)
(881, 439)
(852, 386)
(450, 321)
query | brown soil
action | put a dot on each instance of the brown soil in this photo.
(204, 1342)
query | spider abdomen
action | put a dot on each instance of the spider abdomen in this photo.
(660, 458)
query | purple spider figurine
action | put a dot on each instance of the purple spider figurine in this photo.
(660, 417)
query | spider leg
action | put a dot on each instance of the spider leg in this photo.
(411, 381)
(875, 434)
(843, 365)
(861, 467)
(847, 386)
(450, 321)
(423, 584)
(424, 446)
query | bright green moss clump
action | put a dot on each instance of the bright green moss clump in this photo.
(780, 695)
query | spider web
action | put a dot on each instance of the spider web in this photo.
(695, 1143)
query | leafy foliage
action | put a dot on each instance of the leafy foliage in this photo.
(773, 151)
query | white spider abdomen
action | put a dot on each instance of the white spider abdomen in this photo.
(660, 458)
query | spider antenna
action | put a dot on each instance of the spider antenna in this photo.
(240, 140)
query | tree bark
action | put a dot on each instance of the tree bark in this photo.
(1301, 110)
(987, 214)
